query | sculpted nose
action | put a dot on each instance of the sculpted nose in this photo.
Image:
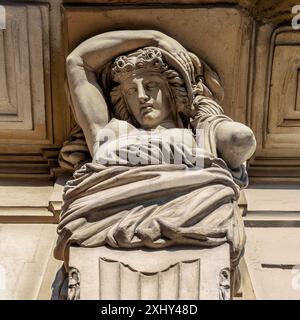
(142, 95)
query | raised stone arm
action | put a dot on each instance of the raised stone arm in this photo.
(234, 142)
(83, 63)
(161, 87)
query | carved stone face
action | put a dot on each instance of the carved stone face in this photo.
(148, 99)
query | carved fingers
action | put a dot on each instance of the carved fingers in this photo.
(178, 52)
(184, 58)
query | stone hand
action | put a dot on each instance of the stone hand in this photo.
(178, 52)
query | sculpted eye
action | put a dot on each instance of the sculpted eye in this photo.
(131, 91)
(152, 85)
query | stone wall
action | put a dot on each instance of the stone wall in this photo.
(244, 41)
(248, 42)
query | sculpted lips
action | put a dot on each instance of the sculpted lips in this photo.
(146, 108)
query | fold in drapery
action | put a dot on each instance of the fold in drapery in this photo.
(154, 206)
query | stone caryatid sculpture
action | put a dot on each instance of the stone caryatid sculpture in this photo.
(167, 164)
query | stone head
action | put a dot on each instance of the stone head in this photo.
(148, 89)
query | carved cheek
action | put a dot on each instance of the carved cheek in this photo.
(132, 104)
(158, 97)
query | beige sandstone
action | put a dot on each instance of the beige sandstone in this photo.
(252, 48)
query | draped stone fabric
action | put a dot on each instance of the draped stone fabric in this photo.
(155, 205)
(74, 150)
(159, 201)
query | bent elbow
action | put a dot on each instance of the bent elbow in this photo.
(73, 60)
(244, 137)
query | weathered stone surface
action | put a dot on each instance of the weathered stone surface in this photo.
(34, 116)
(130, 86)
(20, 159)
(26, 201)
(273, 198)
(267, 11)
(25, 250)
(177, 273)
(265, 94)
(272, 257)
(229, 56)
(274, 111)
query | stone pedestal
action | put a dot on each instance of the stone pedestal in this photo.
(176, 273)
